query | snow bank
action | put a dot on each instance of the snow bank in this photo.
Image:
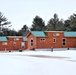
(19, 63)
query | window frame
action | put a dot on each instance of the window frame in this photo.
(22, 44)
(54, 40)
(64, 41)
(42, 39)
(56, 34)
(16, 39)
(31, 42)
(4, 43)
(14, 43)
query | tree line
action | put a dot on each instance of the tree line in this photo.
(38, 24)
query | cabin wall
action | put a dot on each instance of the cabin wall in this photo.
(13, 44)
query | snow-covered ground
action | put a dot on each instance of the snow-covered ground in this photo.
(38, 63)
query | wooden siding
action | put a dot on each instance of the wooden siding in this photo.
(10, 44)
(48, 42)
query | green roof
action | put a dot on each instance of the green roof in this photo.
(70, 34)
(39, 33)
(3, 38)
(24, 39)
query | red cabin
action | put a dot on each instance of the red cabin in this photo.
(13, 43)
(51, 39)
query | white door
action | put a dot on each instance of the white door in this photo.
(23, 45)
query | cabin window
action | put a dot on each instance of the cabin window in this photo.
(64, 41)
(4, 43)
(23, 45)
(31, 42)
(56, 34)
(42, 39)
(14, 43)
(54, 40)
(16, 38)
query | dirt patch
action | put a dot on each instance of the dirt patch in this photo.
(44, 56)
(72, 60)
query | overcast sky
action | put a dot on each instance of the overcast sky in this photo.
(21, 12)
